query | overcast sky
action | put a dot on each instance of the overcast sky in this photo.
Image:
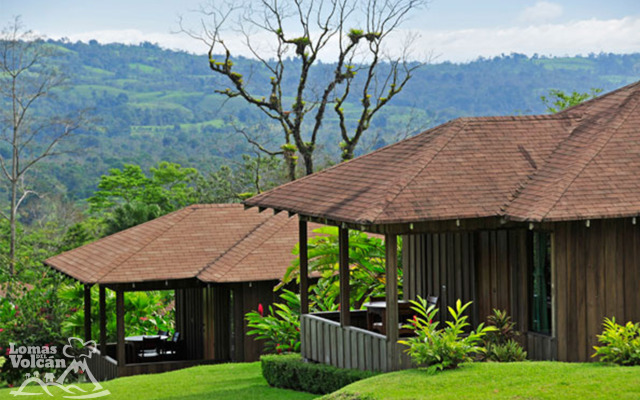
(453, 30)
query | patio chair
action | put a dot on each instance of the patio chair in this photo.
(171, 346)
(150, 347)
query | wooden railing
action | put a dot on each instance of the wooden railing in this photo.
(103, 368)
(324, 340)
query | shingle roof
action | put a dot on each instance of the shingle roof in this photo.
(213, 243)
(581, 163)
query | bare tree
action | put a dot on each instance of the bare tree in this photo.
(27, 134)
(354, 31)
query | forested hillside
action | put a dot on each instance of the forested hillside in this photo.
(152, 104)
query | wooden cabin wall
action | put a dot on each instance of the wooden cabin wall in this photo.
(217, 323)
(597, 273)
(246, 297)
(189, 320)
(440, 265)
(486, 267)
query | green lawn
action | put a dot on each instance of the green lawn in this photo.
(527, 380)
(220, 382)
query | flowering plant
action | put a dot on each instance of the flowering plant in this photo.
(280, 327)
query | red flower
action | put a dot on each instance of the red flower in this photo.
(143, 318)
(47, 301)
(1, 330)
(8, 351)
(261, 310)
(10, 385)
(73, 309)
(80, 371)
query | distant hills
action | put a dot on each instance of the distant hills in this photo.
(153, 104)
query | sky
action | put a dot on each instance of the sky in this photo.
(446, 30)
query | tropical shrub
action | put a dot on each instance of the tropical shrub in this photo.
(31, 318)
(366, 272)
(289, 371)
(280, 327)
(145, 312)
(500, 345)
(445, 348)
(620, 343)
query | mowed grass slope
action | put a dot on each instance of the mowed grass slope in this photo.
(220, 382)
(525, 380)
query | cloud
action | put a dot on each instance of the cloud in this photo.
(540, 13)
(571, 38)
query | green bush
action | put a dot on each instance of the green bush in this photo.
(445, 348)
(621, 344)
(500, 345)
(289, 371)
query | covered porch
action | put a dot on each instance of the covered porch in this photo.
(220, 262)
(200, 335)
(344, 338)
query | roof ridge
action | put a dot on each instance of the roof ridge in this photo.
(233, 247)
(522, 185)
(403, 185)
(606, 142)
(162, 231)
(278, 224)
(578, 159)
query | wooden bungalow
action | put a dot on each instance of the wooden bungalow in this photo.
(536, 215)
(220, 260)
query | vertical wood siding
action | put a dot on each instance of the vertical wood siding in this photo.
(597, 273)
(490, 268)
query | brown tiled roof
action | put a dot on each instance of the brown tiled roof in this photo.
(583, 162)
(213, 243)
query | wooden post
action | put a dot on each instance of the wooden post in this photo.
(87, 313)
(120, 328)
(304, 267)
(103, 320)
(343, 240)
(391, 323)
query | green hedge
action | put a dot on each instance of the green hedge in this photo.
(289, 371)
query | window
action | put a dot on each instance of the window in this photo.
(540, 283)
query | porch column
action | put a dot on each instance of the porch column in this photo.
(87, 313)
(120, 328)
(391, 323)
(343, 240)
(304, 267)
(103, 320)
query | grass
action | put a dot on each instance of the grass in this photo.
(220, 382)
(527, 380)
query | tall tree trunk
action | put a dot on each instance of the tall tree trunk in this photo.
(12, 216)
(347, 152)
(308, 162)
